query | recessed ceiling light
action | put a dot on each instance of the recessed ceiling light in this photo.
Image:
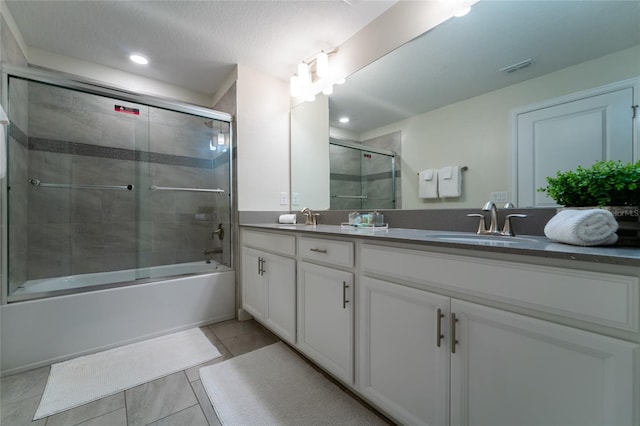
(138, 59)
(344, 119)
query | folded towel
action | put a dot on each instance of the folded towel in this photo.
(450, 182)
(428, 184)
(287, 218)
(589, 227)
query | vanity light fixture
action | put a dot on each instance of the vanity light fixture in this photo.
(304, 76)
(322, 64)
(220, 138)
(313, 77)
(138, 59)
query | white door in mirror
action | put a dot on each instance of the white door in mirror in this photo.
(568, 134)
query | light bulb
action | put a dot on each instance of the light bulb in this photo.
(460, 13)
(322, 64)
(304, 77)
(328, 90)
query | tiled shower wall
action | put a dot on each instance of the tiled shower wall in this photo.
(78, 138)
(347, 167)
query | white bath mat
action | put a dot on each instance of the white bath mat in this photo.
(81, 380)
(273, 386)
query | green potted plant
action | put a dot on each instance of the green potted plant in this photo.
(612, 185)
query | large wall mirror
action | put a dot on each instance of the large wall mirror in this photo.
(449, 96)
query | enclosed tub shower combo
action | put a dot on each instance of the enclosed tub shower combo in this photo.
(118, 215)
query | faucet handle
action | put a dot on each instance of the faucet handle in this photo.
(507, 230)
(482, 227)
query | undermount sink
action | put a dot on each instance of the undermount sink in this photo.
(492, 240)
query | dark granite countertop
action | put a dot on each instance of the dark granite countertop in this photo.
(521, 244)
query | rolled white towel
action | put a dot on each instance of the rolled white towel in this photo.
(589, 227)
(287, 218)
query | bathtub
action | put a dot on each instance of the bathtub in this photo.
(55, 286)
(43, 331)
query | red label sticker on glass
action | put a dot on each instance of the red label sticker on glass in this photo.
(126, 110)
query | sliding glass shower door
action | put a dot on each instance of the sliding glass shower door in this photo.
(103, 190)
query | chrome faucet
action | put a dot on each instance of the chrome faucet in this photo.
(507, 229)
(310, 218)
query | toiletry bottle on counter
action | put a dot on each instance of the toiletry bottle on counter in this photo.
(354, 218)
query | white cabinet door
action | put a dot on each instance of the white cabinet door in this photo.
(509, 369)
(269, 290)
(403, 363)
(280, 303)
(325, 318)
(252, 283)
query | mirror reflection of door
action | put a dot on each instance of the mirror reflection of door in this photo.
(592, 126)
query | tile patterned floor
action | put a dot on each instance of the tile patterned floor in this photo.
(175, 400)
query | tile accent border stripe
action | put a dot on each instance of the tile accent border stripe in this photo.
(76, 148)
(16, 133)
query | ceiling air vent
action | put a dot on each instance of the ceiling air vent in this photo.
(515, 67)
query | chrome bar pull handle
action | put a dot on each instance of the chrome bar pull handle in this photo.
(345, 286)
(440, 336)
(454, 341)
(259, 266)
(317, 250)
(263, 262)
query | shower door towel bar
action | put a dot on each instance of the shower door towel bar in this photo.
(359, 197)
(36, 182)
(170, 188)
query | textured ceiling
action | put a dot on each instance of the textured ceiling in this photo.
(193, 44)
(461, 58)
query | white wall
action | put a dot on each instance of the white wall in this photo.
(476, 132)
(263, 141)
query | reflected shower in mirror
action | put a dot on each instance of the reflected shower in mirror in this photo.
(451, 97)
(363, 176)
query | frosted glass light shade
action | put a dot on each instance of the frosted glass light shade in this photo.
(304, 77)
(322, 64)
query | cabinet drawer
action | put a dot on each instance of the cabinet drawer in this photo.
(272, 242)
(339, 253)
(602, 298)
